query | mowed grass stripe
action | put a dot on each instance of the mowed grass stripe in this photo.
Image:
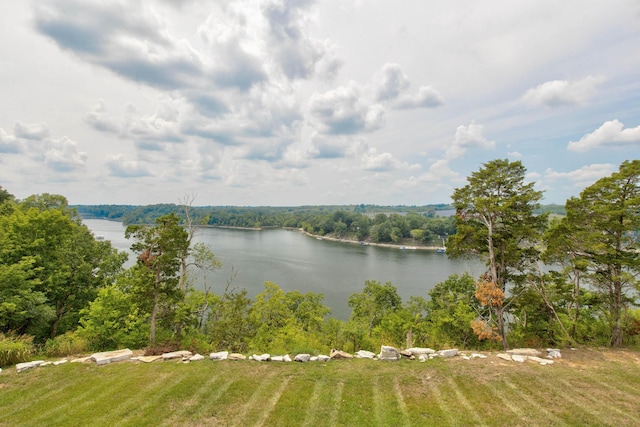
(53, 410)
(268, 408)
(313, 405)
(357, 408)
(505, 396)
(249, 412)
(435, 410)
(158, 404)
(599, 408)
(190, 405)
(460, 399)
(45, 378)
(401, 404)
(118, 406)
(540, 410)
(336, 404)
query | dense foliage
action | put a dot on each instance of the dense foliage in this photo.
(556, 281)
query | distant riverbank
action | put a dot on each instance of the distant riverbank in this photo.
(381, 245)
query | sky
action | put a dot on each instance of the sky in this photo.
(303, 102)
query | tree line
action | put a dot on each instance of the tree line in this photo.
(558, 281)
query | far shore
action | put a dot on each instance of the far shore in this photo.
(382, 245)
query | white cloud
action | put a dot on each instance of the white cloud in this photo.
(345, 110)
(390, 81)
(467, 137)
(427, 97)
(583, 176)
(9, 144)
(611, 133)
(62, 155)
(514, 154)
(374, 161)
(556, 93)
(35, 131)
(120, 167)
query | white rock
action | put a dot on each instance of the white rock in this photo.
(46, 364)
(302, 357)
(277, 358)
(420, 350)
(339, 354)
(525, 351)
(423, 357)
(149, 359)
(323, 358)
(466, 357)
(60, 362)
(181, 354)
(106, 357)
(540, 360)
(196, 357)
(364, 354)
(553, 353)
(478, 356)
(220, 355)
(25, 366)
(504, 356)
(82, 359)
(313, 359)
(237, 356)
(448, 353)
(518, 358)
(389, 353)
(262, 358)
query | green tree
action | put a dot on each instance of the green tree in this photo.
(374, 302)
(67, 262)
(602, 226)
(161, 250)
(451, 308)
(495, 217)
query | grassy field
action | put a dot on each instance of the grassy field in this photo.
(586, 387)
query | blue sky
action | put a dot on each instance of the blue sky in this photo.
(294, 102)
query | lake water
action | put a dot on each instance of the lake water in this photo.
(298, 262)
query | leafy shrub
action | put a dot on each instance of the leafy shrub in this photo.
(65, 345)
(15, 348)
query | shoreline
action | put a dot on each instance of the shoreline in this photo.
(380, 245)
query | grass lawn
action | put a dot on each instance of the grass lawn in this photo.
(586, 387)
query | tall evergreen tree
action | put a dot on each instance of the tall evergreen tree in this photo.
(495, 218)
(602, 228)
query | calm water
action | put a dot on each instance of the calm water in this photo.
(298, 262)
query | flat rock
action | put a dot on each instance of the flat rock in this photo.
(448, 353)
(323, 358)
(525, 352)
(504, 356)
(519, 358)
(389, 353)
(181, 354)
(285, 358)
(364, 354)
(478, 356)
(220, 355)
(106, 357)
(237, 356)
(540, 360)
(423, 357)
(262, 357)
(25, 366)
(196, 357)
(302, 358)
(60, 362)
(420, 350)
(149, 359)
(339, 354)
(553, 353)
